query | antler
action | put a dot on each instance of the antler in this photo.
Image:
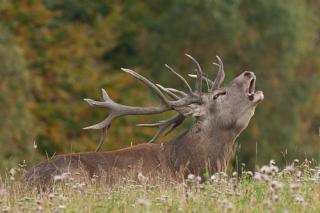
(165, 127)
(213, 85)
(181, 100)
(220, 77)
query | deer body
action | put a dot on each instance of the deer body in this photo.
(221, 115)
(188, 153)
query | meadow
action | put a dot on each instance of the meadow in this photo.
(294, 188)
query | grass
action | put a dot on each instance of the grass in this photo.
(296, 188)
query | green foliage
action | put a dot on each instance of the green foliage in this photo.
(16, 123)
(72, 48)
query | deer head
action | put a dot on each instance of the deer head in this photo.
(228, 107)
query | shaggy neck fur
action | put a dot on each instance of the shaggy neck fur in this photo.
(203, 148)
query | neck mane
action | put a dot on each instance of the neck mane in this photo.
(203, 148)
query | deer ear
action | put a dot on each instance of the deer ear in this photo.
(194, 110)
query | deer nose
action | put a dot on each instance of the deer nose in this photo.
(249, 74)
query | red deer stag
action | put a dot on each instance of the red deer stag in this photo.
(221, 114)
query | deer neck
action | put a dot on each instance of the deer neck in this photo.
(204, 147)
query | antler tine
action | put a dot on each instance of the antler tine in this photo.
(103, 136)
(220, 76)
(182, 94)
(180, 77)
(147, 82)
(165, 127)
(199, 75)
(171, 94)
(208, 81)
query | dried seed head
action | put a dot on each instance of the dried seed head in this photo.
(276, 185)
(294, 186)
(299, 199)
(276, 198)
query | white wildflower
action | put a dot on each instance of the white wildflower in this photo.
(191, 176)
(61, 177)
(35, 146)
(61, 197)
(257, 176)
(13, 171)
(6, 209)
(265, 170)
(61, 207)
(272, 162)
(248, 173)
(299, 174)
(198, 179)
(299, 199)
(274, 169)
(234, 174)
(266, 203)
(295, 186)
(144, 202)
(289, 169)
(57, 178)
(276, 185)
(142, 179)
(276, 198)
(213, 178)
(39, 208)
(269, 170)
(227, 204)
(78, 185)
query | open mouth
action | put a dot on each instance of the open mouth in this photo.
(252, 94)
(252, 86)
(251, 89)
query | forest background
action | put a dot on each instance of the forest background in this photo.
(54, 53)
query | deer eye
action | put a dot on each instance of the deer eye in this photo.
(219, 94)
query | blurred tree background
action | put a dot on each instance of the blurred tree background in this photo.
(54, 53)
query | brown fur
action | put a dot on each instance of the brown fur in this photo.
(207, 146)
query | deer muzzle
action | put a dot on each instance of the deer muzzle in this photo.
(253, 95)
